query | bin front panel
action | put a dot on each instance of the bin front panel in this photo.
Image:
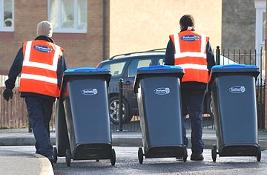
(89, 110)
(237, 109)
(161, 111)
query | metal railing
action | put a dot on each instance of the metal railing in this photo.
(228, 56)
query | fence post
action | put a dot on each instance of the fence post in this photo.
(120, 103)
(218, 53)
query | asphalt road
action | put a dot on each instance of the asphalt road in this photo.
(127, 163)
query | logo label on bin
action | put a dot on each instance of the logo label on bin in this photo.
(89, 91)
(237, 89)
(162, 91)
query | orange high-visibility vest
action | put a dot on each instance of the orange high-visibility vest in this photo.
(190, 54)
(39, 68)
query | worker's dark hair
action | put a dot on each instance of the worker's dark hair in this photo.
(186, 21)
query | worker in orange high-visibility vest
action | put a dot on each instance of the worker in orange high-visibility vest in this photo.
(40, 64)
(192, 52)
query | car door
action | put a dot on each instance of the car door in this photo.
(130, 77)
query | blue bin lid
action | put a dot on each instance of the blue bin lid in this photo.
(158, 69)
(86, 69)
(235, 68)
(75, 73)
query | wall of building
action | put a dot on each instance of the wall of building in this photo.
(238, 24)
(79, 49)
(139, 25)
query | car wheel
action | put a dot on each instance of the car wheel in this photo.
(114, 110)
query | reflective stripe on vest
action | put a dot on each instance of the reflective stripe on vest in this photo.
(39, 77)
(39, 68)
(191, 56)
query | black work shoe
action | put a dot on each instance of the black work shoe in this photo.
(197, 157)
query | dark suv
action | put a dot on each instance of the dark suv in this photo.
(124, 67)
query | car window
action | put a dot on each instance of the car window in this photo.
(115, 68)
(136, 63)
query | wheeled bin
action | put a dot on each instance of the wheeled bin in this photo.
(158, 96)
(83, 123)
(234, 104)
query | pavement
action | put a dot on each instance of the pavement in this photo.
(41, 165)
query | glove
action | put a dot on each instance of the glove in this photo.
(8, 94)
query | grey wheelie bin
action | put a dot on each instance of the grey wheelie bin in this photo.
(158, 96)
(235, 111)
(83, 123)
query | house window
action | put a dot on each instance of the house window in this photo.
(68, 16)
(260, 6)
(6, 15)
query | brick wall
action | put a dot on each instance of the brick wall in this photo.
(79, 49)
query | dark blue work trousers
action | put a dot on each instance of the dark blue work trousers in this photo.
(192, 104)
(39, 111)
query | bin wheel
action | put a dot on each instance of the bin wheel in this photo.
(185, 155)
(55, 154)
(258, 154)
(97, 160)
(113, 157)
(68, 157)
(214, 153)
(140, 155)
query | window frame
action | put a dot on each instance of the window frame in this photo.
(59, 18)
(260, 6)
(2, 28)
